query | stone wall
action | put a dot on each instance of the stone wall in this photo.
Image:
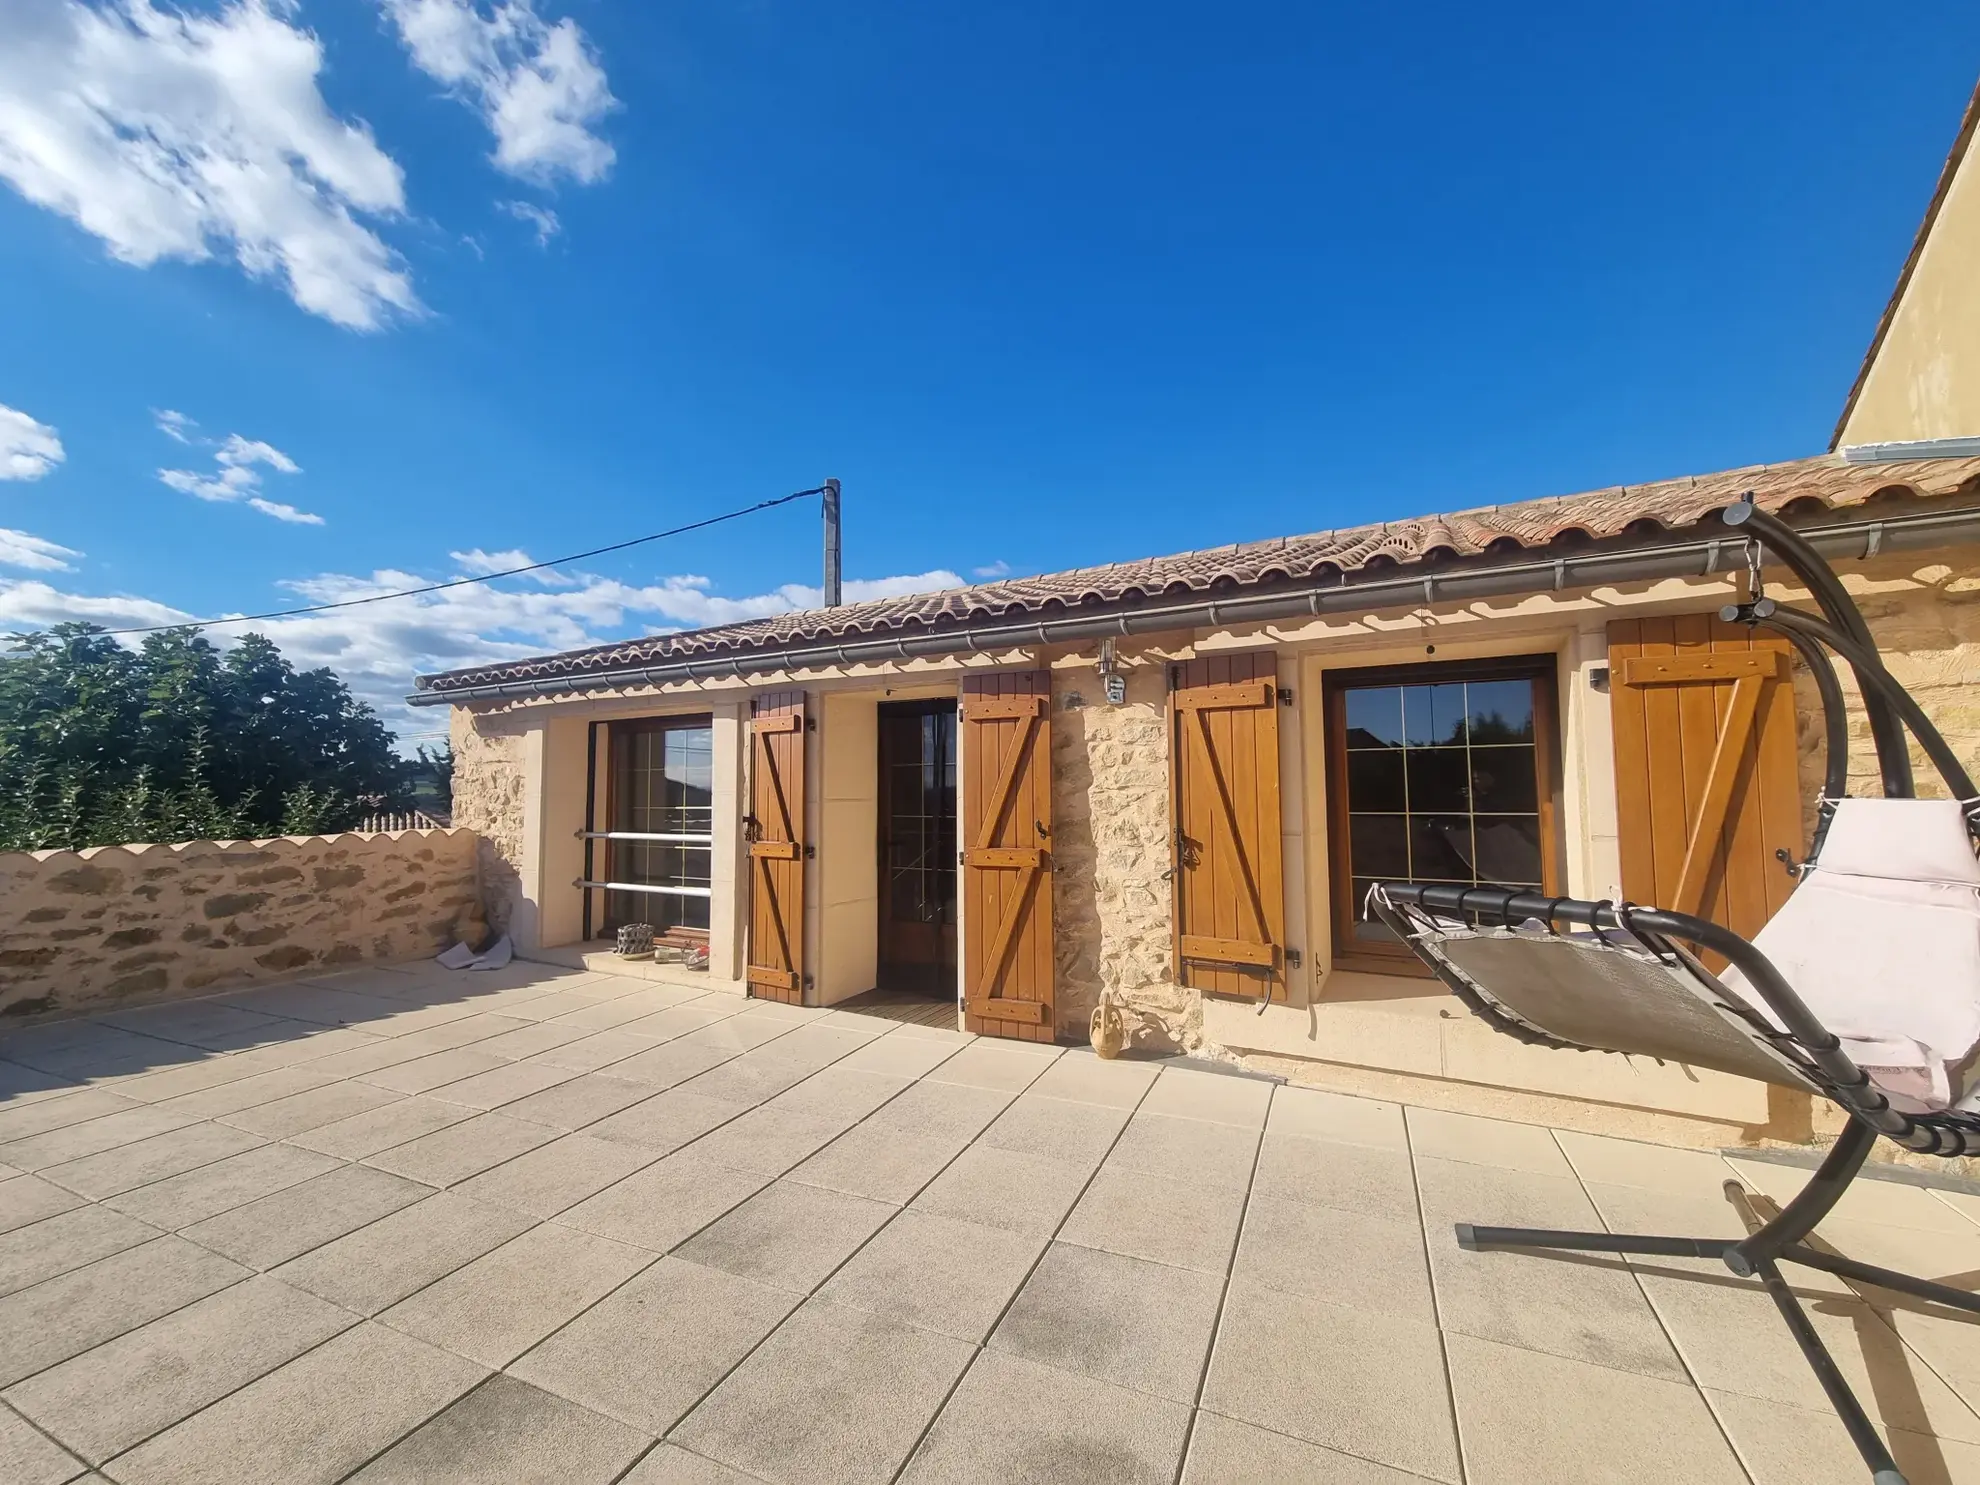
(489, 784)
(1111, 898)
(1925, 617)
(85, 930)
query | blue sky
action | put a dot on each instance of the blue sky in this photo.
(1044, 285)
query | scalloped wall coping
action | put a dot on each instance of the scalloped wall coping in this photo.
(214, 847)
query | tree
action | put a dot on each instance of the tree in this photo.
(179, 740)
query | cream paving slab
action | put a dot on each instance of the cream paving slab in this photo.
(210, 1072)
(832, 1394)
(311, 1421)
(937, 1273)
(897, 1056)
(1783, 1445)
(502, 1085)
(1056, 1128)
(206, 1024)
(508, 1430)
(23, 1085)
(1614, 1162)
(1588, 1307)
(1330, 1173)
(274, 1229)
(119, 1394)
(1223, 1451)
(25, 1199)
(1367, 1263)
(595, 1053)
(374, 1267)
(787, 1235)
(1186, 1150)
(461, 1150)
(670, 1464)
(652, 1349)
(663, 1122)
(1367, 1385)
(1185, 1224)
(495, 1308)
(665, 1204)
(397, 1122)
(1001, 1067)
(768, 1141)
(111, 1171)
(301, 1112)
(1222, 1098)
(1442, 1135)
(58, 1146)
(1881, 1203)
(552, 1177)
(580, 1100)
(1012, 1420)
(937, 1110)
(1122, 1320)
(193, 1196)
(68, 1314)
(86, 1052)
(738, 1078)
(245, 1093)
(1312, 1113)
(18, 1121)
(435, 1070)
(1085, 1078)
(28, 1457)
(1001, 1188)
(818, 1045)
(530, 1038)
(1524, 1416)
(656, 1064)
(839, 1094)
(67, 1238)
(873, 1159)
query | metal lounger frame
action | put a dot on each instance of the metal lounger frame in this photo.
(1813, 1050)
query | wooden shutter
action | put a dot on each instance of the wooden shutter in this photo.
(1229, 876)
(775, 829)
(1706, 783)
(1007, 855)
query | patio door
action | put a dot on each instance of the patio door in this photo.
(660, 805)
(918, 848)
(1707, 790)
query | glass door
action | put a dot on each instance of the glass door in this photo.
(660, 841)
(918, 848)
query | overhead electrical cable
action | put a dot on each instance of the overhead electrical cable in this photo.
(484, 577)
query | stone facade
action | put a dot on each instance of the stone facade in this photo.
(87, 930)
(1111, 897)
(1925, 617)
(489, 799)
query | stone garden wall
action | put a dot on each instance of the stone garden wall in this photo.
(81, 931)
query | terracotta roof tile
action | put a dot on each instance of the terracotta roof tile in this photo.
(1823, 482)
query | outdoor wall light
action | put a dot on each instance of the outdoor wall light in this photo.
(1110, 678)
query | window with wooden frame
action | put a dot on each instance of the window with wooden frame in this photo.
(659, 800)
(1438, 773)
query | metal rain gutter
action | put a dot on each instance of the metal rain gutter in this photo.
(1696, 557)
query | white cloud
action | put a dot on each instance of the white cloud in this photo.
(378, 648)
(194, 135)
(478, 563)
(282, 512)
(235, 474)
(28, 449)
(537, 86)
(174, 425)
(18, 549)
(540, 218)
(999, 568)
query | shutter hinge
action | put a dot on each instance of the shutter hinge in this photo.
(1285, 696)
(811, 853)
(810, 724)
(1294, 958)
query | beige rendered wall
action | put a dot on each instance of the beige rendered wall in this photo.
(1925, 379)
(844, 880)
(114, 925)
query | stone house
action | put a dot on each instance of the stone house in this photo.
(1170, 781)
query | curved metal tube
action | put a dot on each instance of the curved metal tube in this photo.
(1794, 552)
(1835, 708)
(1872, 676)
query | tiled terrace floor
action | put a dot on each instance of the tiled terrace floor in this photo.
(542, 1225)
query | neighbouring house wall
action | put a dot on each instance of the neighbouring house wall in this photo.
(86, 930)
(1925, 379)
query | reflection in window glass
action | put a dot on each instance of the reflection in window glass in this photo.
(1442, 785)
(662, 784)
